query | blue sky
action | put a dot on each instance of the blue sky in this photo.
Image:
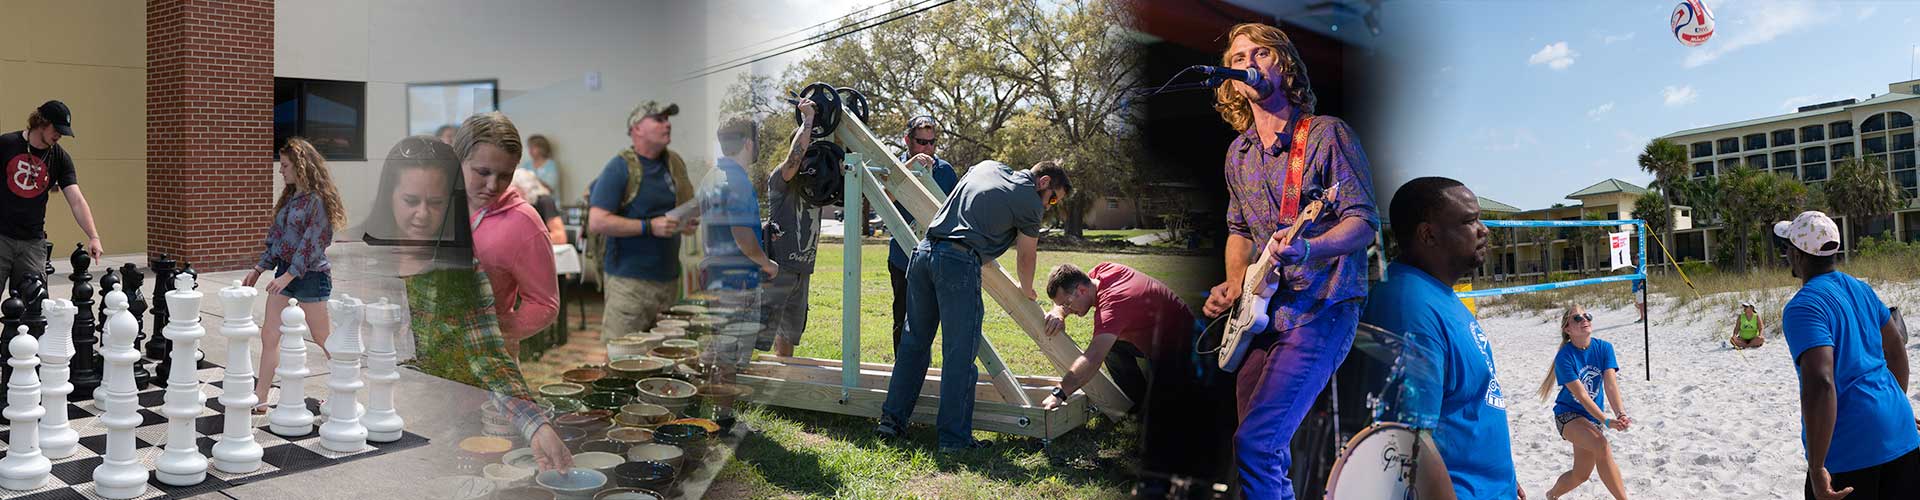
(1526, 102)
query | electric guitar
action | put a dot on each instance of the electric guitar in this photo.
(1249, 317)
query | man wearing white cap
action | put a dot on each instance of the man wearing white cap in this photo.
(1858, 428)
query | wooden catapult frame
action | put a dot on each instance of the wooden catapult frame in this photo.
(1004, 402)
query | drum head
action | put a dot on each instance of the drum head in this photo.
(1376, 464)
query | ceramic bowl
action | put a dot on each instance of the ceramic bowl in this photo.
(673, 394)
(599, 461)
(725, 395)
(572, 484)
(649, 413)
(685, 436)
(608, 400)
(521, 458)
(572, 436)
(583, 376)
(486, 449)
(616, 385)
(657, 452)
(688, 309)
(708, 425)
(524, 493)
(657, 476)
(639, 369)
(673, 324)
(677, 355)
(629, 494)
(563, 390)
(559, 406)
(507, 476)
(630, 436)
(605, 446)
(628, 345)
(681, 343)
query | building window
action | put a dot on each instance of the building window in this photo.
(1727, 145)
(1729, 164)
(1901, 161)
(1787, 172)
(1813, 172)
(1903, 140)
(1812, 133)
(1838, 130)
(1906, 180)
(1874, 123)
(1813, 154)
(1782, 137)
(1113, 203)
(1842, 150)
(1757, 161)
(1899, 119)
(1756, 141)
(1874, 145)
(330, 114)
(1702, 149)
(434, 105)
(1703, 169)
(1783, 158)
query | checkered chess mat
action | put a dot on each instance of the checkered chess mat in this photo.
(73, 476)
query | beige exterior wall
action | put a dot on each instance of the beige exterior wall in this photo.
(91, 54)
(1112, 213)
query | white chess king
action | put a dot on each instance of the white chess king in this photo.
(290, 416)
(235, 451)
(24, 468)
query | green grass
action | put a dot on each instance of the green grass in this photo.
(802, 454)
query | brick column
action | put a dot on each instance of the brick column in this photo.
(209, 130)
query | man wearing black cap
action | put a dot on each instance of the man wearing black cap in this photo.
(634, 202)
(35, 164)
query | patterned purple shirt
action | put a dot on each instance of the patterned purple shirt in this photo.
(1255, 178)
(299, 236)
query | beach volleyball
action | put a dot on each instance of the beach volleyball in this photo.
(1692, 23)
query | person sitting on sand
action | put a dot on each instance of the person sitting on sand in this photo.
(1746, 331)
(1581, 366)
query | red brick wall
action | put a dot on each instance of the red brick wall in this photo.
(209, 130)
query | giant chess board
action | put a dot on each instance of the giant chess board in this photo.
(73, 476)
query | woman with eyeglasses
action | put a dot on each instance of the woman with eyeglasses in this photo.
(1580, 368)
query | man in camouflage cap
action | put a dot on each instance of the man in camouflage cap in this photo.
(633, 215)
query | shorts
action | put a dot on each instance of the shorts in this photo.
(1560, 421)
(784, 307)
(631, 304)
(310, 287)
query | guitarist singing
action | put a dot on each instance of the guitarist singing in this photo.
(1323, 271)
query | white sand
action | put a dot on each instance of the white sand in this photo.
(1713, 422)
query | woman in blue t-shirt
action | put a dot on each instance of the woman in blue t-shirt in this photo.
(1582, 364)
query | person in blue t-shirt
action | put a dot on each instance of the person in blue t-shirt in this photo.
(923, 136)
(1580, 368)
(1460, 411)
(1857, 425)
(635, 206)
(731, 213)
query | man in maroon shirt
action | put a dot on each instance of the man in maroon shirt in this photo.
(1135, 318)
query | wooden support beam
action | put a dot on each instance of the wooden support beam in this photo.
(879, 378)
(865, 402)
(911, 193)
(1025, 380)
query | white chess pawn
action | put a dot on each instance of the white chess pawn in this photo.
(120, 475)
(343, 431)
(290, 416)
(382, 420)
(24, 468)
(181, 464)
(57, 438)
(235, 451)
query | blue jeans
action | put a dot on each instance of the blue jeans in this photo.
(943, 290)
(1283, 374)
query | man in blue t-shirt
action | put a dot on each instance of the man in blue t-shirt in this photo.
(1460, 409)
(633, 206)
(731, 212)
(923, 134)
(1857, 424)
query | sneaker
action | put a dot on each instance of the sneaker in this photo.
(887, 431)
(972, 445)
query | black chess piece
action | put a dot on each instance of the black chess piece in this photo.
(159, 347)
(48, 272)
(33, 292)
(13, 313)
(86, 358)
(137, 304)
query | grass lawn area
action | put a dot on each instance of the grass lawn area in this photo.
(802, 454)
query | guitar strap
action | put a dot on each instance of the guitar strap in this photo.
(1296, 171)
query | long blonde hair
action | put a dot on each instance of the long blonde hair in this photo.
(310, 174)
(1566, 319)
(1292, 79)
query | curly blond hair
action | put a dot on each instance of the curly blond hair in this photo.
(310, 174)
(1234, 107)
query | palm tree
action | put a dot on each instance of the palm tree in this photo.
(1653, 208)
(1592, 240)
(1667, 161)
(1861, 190)
(1751, 201)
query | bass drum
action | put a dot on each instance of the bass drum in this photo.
(1377, 464)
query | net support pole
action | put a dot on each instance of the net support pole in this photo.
(1646, 325)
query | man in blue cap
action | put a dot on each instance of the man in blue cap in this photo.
(35, 164)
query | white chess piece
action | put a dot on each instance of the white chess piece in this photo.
(347, 314)
(57, 437)
(290, 416)
(181, 463)
(343, 431)
(24, 468)
(235, 451)
(383, 422)
(120, 476)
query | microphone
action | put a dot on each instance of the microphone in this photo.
(1252, 77)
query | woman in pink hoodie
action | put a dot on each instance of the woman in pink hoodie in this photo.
(509, 239)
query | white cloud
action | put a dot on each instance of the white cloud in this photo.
(1679, 96)
(1616, 38)
(1494, 139)
(1868, 12)
(1599, 111)
(1555, 55)
(1763, 22)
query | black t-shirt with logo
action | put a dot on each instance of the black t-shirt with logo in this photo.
(30, 174)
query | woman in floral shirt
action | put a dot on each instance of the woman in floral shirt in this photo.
(303, 223)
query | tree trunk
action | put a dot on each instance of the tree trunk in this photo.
(1076, 213)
